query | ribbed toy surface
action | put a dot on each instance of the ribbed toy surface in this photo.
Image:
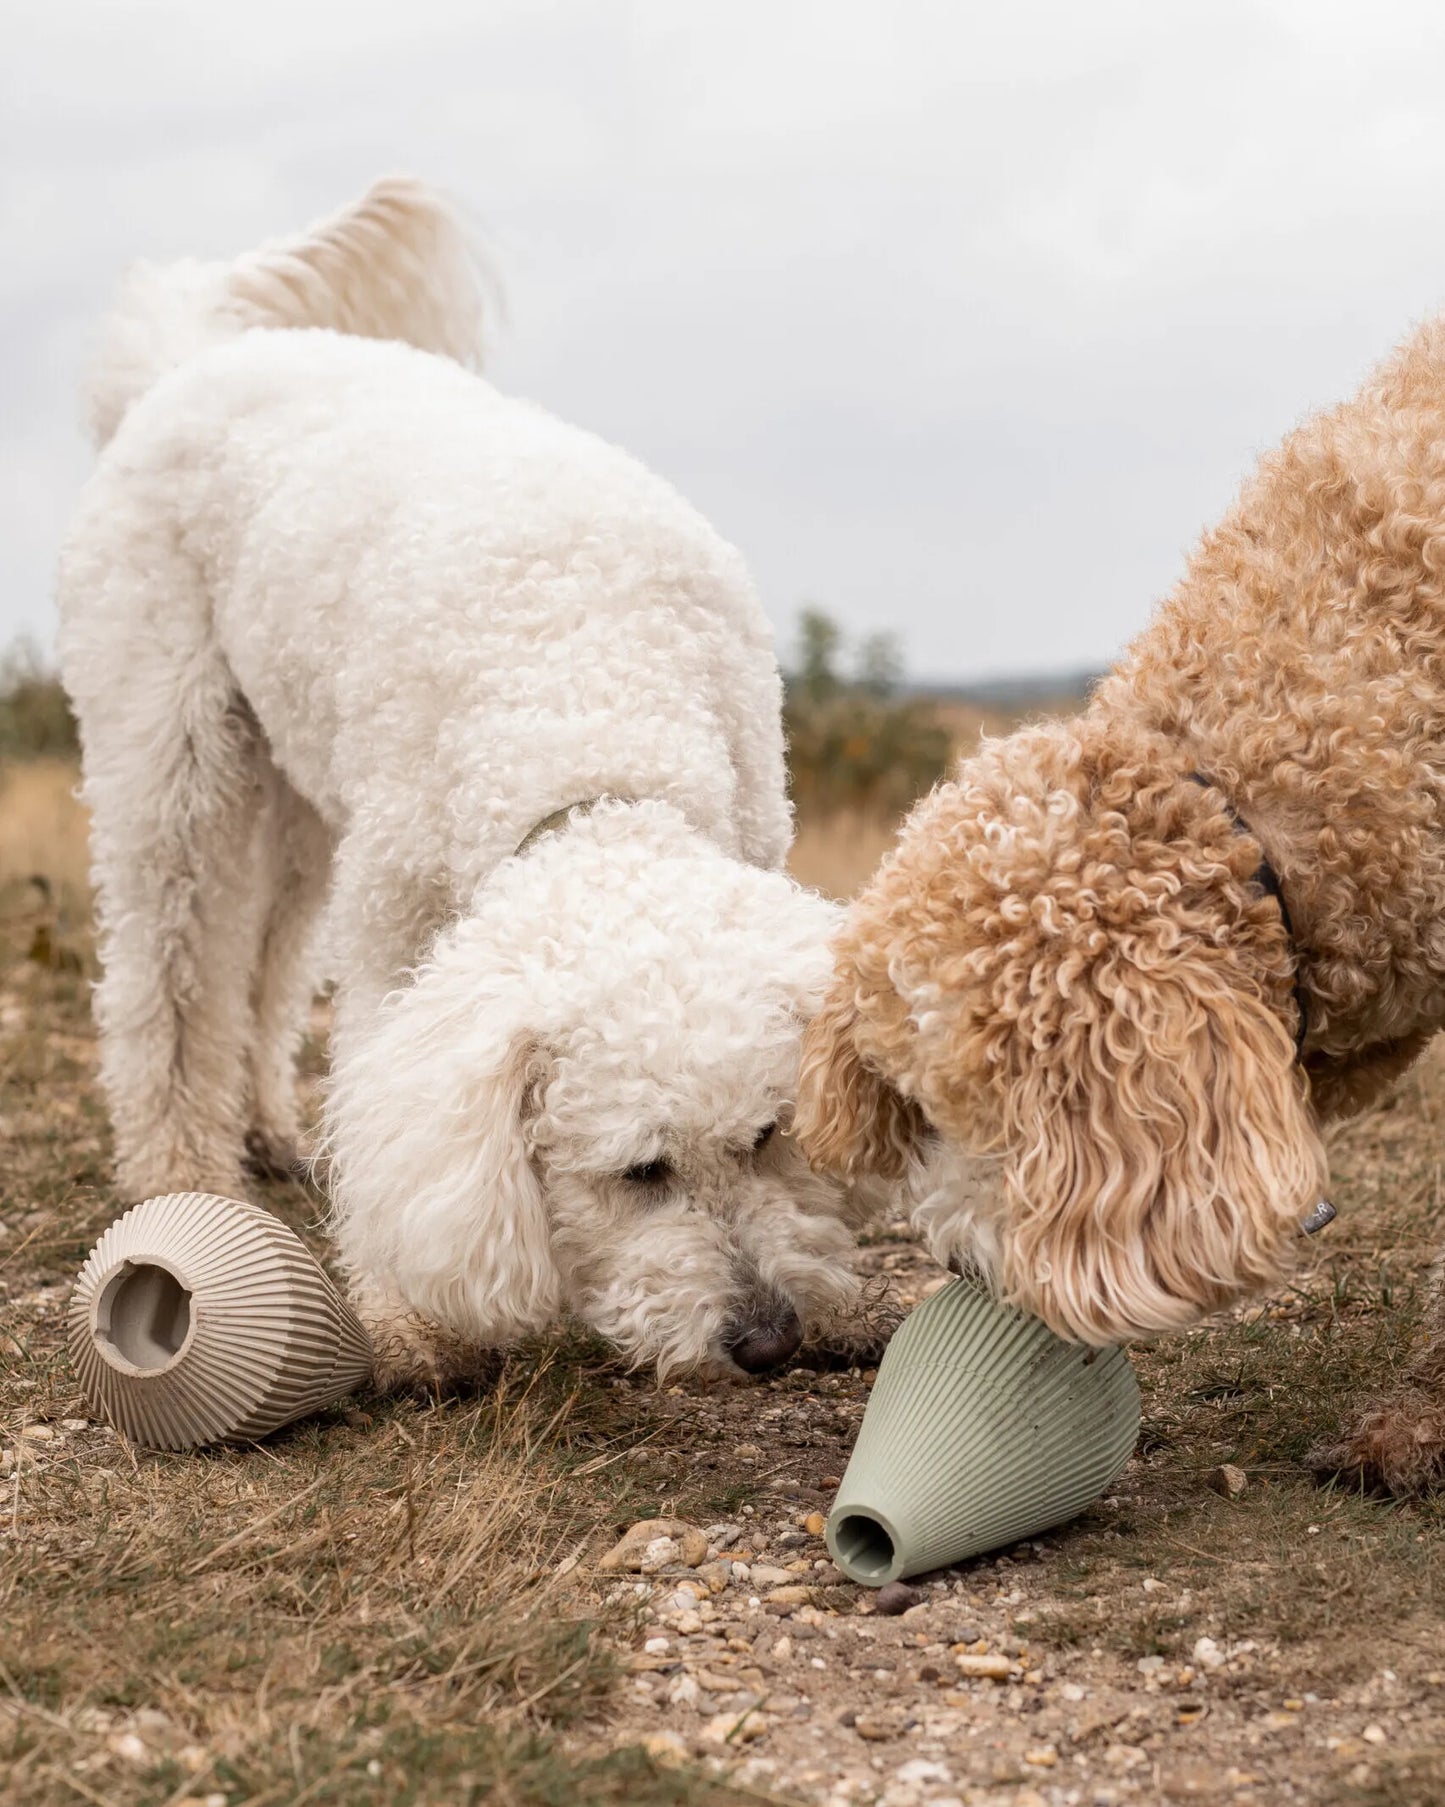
(983, 1428)
(197, 1319)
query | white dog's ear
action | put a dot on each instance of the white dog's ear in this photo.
(435, 1194)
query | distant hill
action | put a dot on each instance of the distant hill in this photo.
(1009, 695)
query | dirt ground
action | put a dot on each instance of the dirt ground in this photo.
(402, 1600)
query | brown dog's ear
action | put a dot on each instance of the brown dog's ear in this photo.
(849, 1119)
(1161, 1163)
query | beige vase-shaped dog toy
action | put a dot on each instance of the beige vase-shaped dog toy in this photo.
(199, 1319)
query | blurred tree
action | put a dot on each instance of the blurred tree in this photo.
(35, 718)
(854, 744)
(879, 666)
(820, 640)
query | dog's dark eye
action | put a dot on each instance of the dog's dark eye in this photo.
(764, 1136)
(649, 1173)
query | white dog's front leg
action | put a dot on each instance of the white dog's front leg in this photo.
(410, 1350)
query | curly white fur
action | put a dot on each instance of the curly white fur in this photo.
(337, 616)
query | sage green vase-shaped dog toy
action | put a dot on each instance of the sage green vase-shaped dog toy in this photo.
(198, 1319)
(983, 1428)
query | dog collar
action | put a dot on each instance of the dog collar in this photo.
(559, 819)
(1269, 882)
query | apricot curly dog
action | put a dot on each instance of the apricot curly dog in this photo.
(1127, 965)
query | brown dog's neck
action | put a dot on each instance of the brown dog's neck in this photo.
(1370, 966)
(1271, 884)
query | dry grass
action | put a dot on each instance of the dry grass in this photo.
(835, 854)
(43, 831)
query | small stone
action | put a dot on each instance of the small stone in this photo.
(721, 1536)
(747, 1452)
(762, 1574)
(734, 1728)
(919, 1770)
(666, 1748)
(75, 1424)
(895, 1597)
(1045, 1757)
(1208, 1655)
(129, 1747)
(1227, 1481)
(1375, 1734)
(38, 1433)
(877, 1728)
(656, 1646)
(685, 1692)
(988, 1668)
(815, 1524)
(829, 1482)
(1150, 1665)
(788, 1596)
(715, 1576)
(782, 1649)
(643, 1543)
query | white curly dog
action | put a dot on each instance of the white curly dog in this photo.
(340, 621)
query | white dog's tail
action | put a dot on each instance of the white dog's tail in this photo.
(397, 264)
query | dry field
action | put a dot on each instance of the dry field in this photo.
(400, 1601)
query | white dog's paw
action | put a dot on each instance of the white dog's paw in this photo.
(411, 1352)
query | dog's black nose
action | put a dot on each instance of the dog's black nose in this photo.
(769, 1345)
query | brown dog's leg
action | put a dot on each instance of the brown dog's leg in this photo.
(1398, 1444)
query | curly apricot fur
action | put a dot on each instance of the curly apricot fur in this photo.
(1067, 963)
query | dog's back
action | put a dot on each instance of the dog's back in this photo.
(369, 545)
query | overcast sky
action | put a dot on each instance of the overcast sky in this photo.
(961, 320)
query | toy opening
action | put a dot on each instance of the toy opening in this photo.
(864, 1549)
(143, 1316)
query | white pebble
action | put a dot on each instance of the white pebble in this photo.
(656, 1646)
(685, 1691)
(918, 1770)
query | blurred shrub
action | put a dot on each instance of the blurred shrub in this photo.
(35, 718)
(853, 742)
